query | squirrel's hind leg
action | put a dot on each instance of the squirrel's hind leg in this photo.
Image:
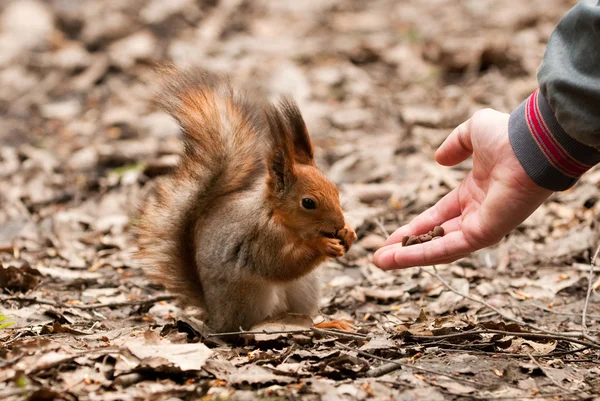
(230, 307)
(302, 295)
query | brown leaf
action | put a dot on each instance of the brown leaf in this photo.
(21, 279)
(253, 374)
(455, 387)
(184, 356)
(284, 322)
(522, 346)
(422, 317)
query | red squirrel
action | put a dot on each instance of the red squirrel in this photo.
(240, 225)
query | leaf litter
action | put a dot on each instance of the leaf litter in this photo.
(380, 86)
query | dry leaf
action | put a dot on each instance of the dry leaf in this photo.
(522, 346)
(183, 356)
(284, 322)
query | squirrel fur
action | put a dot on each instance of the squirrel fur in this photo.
(230, 230)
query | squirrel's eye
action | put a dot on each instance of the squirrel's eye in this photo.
(309, 204)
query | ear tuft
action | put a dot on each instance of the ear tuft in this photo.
(302, 147)
(280, 161)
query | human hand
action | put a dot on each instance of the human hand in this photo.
(494, 198)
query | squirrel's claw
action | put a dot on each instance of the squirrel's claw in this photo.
(333, 247)
(335, 324)
(347, 236)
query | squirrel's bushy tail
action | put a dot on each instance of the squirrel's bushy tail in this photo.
(222, 153)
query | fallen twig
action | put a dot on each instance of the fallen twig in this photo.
(562, 313)
(406, 365)
(332, 332)
(89, 306)
(58, 362)
(379, 223)
(237, 333)
(487, 397)
(28, 299)
(545, 336)
(552, 379)
(589, 339)
(54, 363)
(584, 329)
(544, 395)
(384, 369)
(341, 334)
(10, 362)
(511, 355)
(396, 383)
(584, 267)
(159, 298)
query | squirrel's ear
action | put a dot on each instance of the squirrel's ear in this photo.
(302, 147)
(280, 162)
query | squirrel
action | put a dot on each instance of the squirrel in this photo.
(246, 216)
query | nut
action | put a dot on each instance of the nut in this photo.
(414, 239)
(438, 231)
(425, 237)
(405, 240)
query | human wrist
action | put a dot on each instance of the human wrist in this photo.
(549, 156)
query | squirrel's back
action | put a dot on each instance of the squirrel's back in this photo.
(224, 142)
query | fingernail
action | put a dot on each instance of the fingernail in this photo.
(379, 257)
(388, 241)
(376, 256)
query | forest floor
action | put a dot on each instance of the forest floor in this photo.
(381, 84)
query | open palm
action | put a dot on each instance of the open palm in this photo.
(494, 198)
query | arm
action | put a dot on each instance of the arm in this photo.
(555, 133)
(545, 145)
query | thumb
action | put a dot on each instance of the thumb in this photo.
(457, 147)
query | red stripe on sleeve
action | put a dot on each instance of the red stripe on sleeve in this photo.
(553, 151)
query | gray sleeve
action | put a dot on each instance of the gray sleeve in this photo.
(569, 76)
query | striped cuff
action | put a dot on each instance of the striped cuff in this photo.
(550, 157)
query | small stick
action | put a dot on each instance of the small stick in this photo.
(29, 299)
(236, 333)
(336, 333)
(340, 334)
(487, 397)
(126, 303)
(90, 306)
(396, 383)
(384, 369)
(545, 336)
(584, 329)
(541, 395)
(53, 364)
(552, 379)
(505, 316)
(379, 223)
(562, 313)
(511, 355)
(405, 365)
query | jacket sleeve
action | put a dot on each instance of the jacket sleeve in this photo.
(555, 133)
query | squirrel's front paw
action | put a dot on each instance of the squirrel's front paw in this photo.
(332, 247)
(347, 236)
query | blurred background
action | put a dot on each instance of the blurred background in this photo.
(380, 84)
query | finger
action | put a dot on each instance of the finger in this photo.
(449, 260)
(448, 248)
(436, 262)
(445, 209)
(457, 147)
